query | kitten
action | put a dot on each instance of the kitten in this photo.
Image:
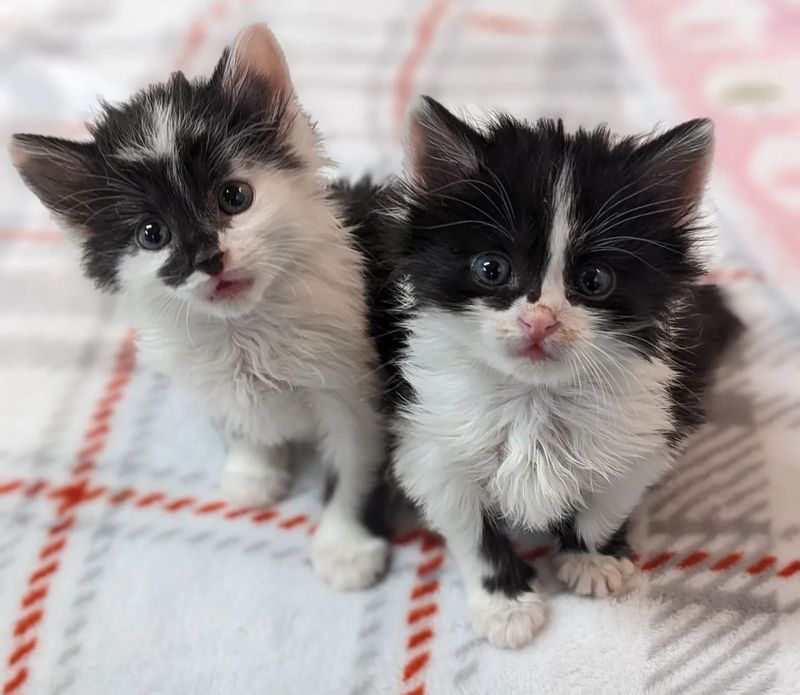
(537, 305)
(203, 206)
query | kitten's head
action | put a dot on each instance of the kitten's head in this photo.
(191, 191)
(545, 254)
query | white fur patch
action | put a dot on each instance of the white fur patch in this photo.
(508, 623)
(160, 138)
(256, 476)
(536, 451)
(592, 574)
(553, 294)
(346, 556)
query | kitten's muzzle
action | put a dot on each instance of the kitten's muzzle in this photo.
(536, 324)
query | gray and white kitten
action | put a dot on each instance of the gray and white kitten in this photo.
(203, 206)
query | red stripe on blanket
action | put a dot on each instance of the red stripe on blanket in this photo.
(422, 611)
(68, 497)
(424, 33)
(657, 561)
(694, 559)
(790, 569)
(763, 564)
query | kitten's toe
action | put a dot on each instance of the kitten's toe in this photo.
(506, 622)
(593, 574)
(348, 557)
(260, 488)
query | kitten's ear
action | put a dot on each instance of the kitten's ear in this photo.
(255, 52)
(440, 148)
(57, 171)
(681, 158)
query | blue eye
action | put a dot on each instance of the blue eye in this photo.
(595, 281)
(235, 197)
(153, 235)
(491, 269)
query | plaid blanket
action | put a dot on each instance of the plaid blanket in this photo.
(121, 569)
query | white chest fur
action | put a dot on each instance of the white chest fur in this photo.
(536, 452)
(258, 372)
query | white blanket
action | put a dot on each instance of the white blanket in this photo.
(122, 571)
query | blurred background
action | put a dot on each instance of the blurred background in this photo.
(120, 568)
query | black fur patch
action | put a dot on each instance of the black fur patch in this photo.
(382, 247)
(102, 189)
(510, 574)
(701, 332)
(616, 546)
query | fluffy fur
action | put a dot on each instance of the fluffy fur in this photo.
(261, 310)
(533, 403)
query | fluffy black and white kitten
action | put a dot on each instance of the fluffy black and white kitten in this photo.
(203, 206)
(537, 303)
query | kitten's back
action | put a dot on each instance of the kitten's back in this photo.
(702, 331)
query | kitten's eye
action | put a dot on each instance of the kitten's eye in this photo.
(235, 197)
(153, 235)
(491, 269)
(595, 281)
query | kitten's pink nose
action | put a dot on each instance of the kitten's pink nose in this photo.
(537, 323)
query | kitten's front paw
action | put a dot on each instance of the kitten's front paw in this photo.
(506, 622)
(255, 488)
(347, 556)
(593, 574)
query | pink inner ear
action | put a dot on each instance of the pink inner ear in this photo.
(416, 144)
(257, 51)
(18, 155)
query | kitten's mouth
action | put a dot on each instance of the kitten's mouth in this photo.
(230, 286)
(535, 352)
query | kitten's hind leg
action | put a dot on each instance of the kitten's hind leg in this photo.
(345, 551)
(256, 475)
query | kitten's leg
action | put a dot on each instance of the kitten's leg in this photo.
(606, 571)
(255, 475)
(505, 607)
(596, 558)
(344, 551)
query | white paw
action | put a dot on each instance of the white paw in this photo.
(506, 622)
(255, 488)
(592, 574)
(347, 556)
